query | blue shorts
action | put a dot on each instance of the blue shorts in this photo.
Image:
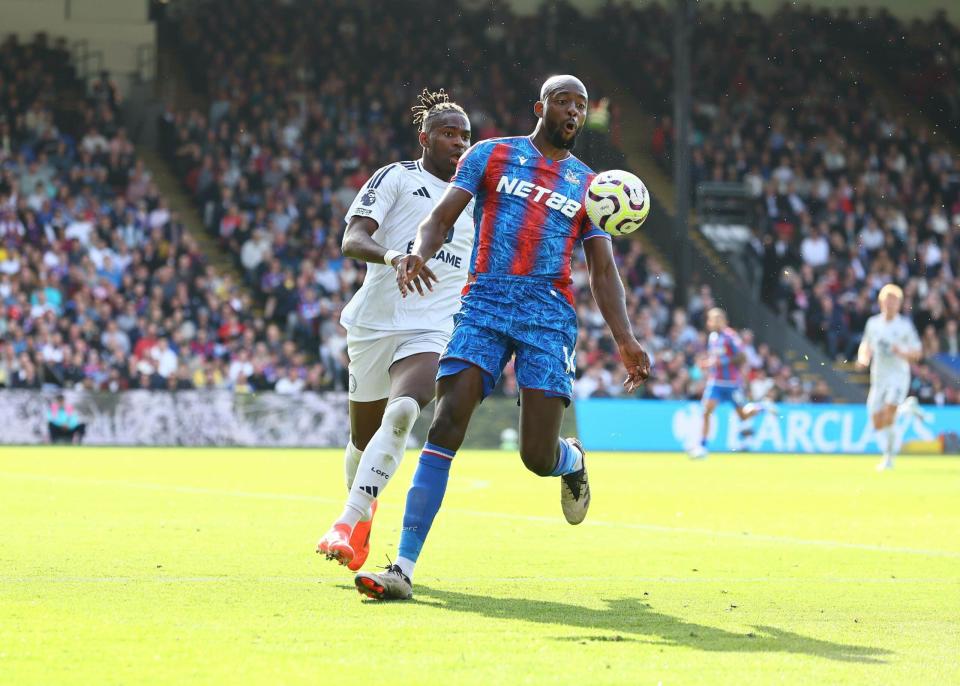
(504, 316)
(723, 394)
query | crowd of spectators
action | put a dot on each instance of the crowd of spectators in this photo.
(848, 194)
(100, 286)
(289, 138)
(921, 57)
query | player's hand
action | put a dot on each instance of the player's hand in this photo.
(413, 273)
(637, 362)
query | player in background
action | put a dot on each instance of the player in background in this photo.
(889, 344)
(394, 343)
(725, 359)
(529, 216)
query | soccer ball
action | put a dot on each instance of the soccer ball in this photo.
(617, 202)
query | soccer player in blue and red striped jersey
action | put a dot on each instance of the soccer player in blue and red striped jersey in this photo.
(518, 302)
(725, 358)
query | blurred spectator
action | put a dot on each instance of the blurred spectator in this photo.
(63, 422)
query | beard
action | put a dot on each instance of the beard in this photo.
(555, 136)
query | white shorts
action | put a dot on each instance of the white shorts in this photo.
(372, 352)
(886, 392)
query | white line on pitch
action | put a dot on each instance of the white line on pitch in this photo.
(655, 528)
(345, 580)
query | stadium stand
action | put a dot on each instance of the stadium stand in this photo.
(285, 145)
(923, 56)
(847, 193)
(101, 288)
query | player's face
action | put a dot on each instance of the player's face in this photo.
(564, 114)
(447, 140)
(715, 321)
(890, 305)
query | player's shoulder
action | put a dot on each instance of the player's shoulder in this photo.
(580, 167)
(385, 174)
(512, 141)
(410, 166)
(488, 144)
(905, 321)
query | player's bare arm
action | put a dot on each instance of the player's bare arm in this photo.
(358, 243)
(608, 291)
(412, 269)
(864, 354)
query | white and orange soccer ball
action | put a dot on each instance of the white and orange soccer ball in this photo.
(617, 202)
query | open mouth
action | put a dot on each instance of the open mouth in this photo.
(570, 126)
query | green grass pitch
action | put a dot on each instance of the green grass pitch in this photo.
(181, 566)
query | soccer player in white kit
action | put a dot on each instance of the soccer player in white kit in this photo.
(890, 343)
(394, 343)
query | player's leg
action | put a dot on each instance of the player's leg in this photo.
(468, 372)
(895, 397)
(746, 412)
(412, 388)
(458, 395)
(545, 453)
(709, 404)
(882, 414)
(887, 436)
(540, 444)
(910, 407)
(368, 392)
(545, 369)
(365, 419)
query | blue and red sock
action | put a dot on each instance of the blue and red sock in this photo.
(423, 502)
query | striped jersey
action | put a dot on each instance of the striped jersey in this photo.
(723, 347)
(529, 212)
(398, 197)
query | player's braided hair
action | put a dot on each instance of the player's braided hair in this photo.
(431, 104)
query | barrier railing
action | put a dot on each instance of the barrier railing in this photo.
(319, 420)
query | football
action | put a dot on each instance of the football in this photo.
(617, 202)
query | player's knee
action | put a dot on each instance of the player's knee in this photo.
(539, 467)
(445, 430)
(400, 414)
(539, 459)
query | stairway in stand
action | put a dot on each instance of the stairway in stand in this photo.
(172, 86)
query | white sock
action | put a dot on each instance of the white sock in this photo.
(578, 465)
(885, 441)
(406, 566)
(351, 460)
(380, 459)
(891, 441)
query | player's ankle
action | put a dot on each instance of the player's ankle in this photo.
(406, 566)
(350, 516)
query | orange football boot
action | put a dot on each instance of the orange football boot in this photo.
(360, 540)
(335, 544)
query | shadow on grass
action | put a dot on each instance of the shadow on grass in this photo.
(633, 620)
